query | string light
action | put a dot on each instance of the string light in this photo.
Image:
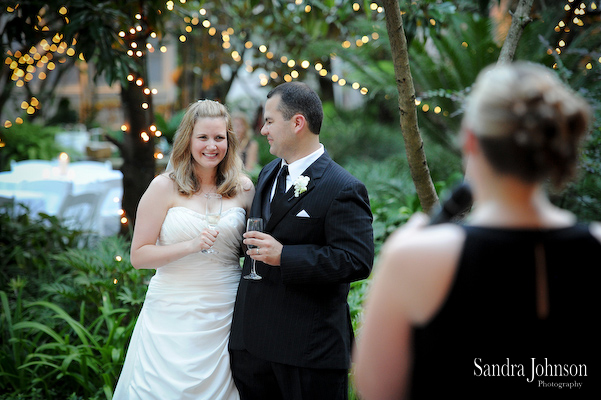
(580, 12)
(291, 63)
(48, 53)
(38, 60)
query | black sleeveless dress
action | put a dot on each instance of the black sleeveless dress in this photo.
(489, 341)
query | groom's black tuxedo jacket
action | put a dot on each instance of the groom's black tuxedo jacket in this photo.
(298, 313)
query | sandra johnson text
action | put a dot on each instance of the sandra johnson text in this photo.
(537, 369)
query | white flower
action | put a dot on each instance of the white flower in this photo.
(300, 185)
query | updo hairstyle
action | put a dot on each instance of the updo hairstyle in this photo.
(529, 124)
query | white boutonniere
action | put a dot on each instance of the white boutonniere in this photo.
(300, 185)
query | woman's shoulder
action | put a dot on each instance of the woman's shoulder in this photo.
(418, 237)
(160, 195)
(244, 193)
(246, 183)
(423, 262)
(162, 185)
(162, 182)
(595, 228)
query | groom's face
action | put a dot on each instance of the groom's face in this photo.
(278, 131)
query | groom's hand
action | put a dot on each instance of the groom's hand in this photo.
(268, 249)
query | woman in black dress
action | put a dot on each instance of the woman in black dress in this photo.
(506, 303)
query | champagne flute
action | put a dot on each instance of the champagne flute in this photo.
(213, 215)
(254, 224)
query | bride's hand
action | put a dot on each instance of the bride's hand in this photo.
(206, 239)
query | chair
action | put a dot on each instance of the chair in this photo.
(7, 204)
(80, 212)
(55, 193)
(111, 192)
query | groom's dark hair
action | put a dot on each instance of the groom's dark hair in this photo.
(299, 98)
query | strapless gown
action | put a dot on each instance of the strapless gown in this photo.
(178, 348)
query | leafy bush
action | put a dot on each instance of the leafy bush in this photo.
(28, 245)
(583, 195)
(27, 141)
(168, 127)
(67, 313)
(350, 136)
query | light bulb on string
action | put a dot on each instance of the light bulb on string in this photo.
(290, 63)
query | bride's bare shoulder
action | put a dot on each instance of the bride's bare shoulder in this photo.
(162, 185)
(163, 180)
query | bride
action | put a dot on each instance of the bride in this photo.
(178, 349)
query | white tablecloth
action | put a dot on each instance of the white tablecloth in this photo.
(85, 177)
(34, 201)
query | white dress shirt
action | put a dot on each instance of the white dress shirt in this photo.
(296, 168)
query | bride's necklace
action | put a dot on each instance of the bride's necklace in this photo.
(211, 189)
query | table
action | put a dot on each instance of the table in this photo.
(83, 176)
(34, 201)
(45, 189)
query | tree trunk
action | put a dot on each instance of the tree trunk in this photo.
(7, 86)
(414, 145)
(138, 154)
(519, 19)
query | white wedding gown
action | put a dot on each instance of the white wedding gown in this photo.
(179, 346)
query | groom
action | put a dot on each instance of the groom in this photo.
(291, 331)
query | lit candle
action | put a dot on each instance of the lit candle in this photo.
(63, 163)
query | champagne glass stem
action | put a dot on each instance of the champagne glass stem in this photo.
(253, 273)
(253, 224)
(213, 214)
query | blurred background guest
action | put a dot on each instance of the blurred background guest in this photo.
(506, 303)
(249, 148)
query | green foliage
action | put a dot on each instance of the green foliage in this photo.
(265, 155)
(444, 67)
(27, 141)
(29, 244)
(73, 354)
(65, 114)
(392, 193)
(168, 127)
(100, 271)
(348, 136)
(583, 195)
(96, 27)
(66, 323)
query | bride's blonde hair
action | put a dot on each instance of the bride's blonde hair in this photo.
(229, 170)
